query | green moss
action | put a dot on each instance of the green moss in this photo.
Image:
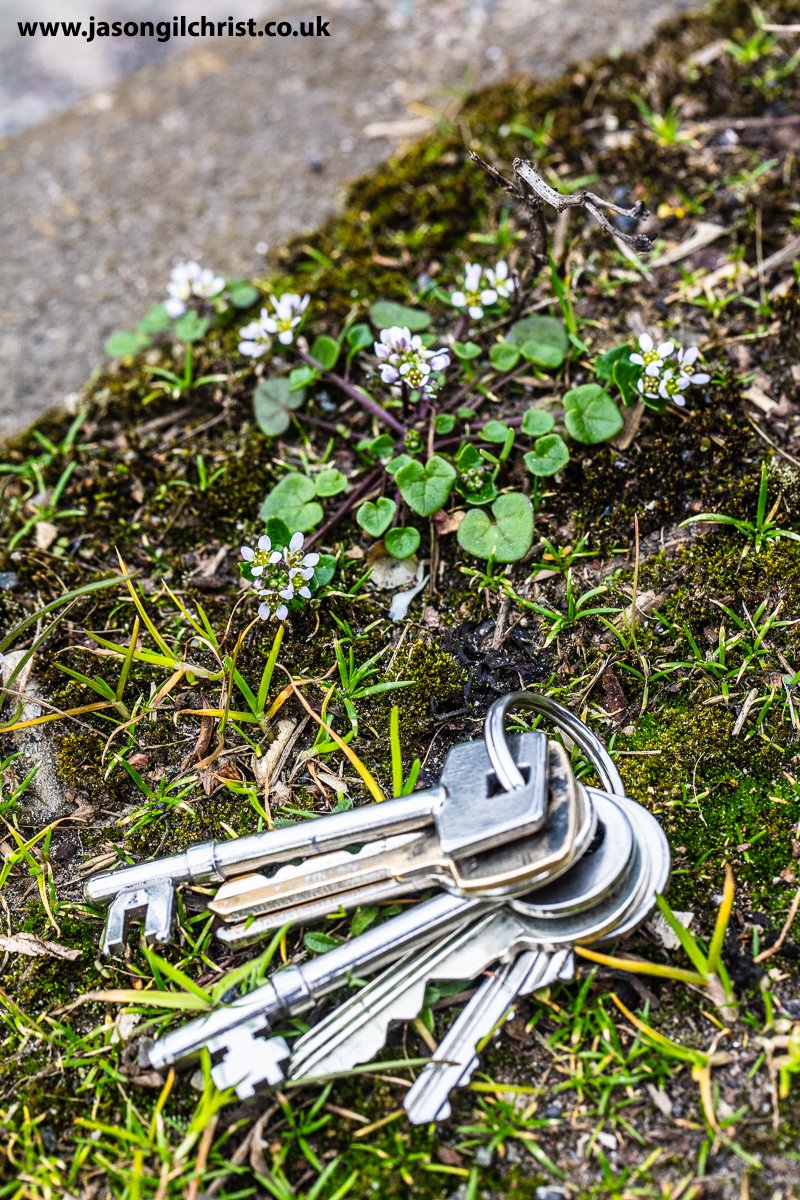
(720, 798)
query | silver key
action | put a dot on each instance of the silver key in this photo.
(357, 1030)
(416, 862)
(467, 811)
(233, 1033)
(456, 1057)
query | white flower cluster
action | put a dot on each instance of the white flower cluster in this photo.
(287, 314)
(404, 359)
(279, 575)
(190, 281)
(662, 380)
(483, 287)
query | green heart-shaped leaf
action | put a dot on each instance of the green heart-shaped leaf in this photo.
(330, 482)
(548, 456)
(541, 340)
(293, 501)
(386, 313)
(445, 423)
(123, 343)
(191, 327)
(402, 542)
(503, 356)
(375, 518)
(505, 536)
(359, 337)
(537, 422)
(155, 320)
(323, 572)
(425, 488)
(243, 295)
(495, 431)
(590, 415)
(325, 351)
(272, 402)
(465, 351)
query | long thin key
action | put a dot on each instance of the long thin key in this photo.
(420, 861)
(466, 809)
(233, 1032)
(456, 1056)
(523, 869)
(399, 993)
(355, 1032)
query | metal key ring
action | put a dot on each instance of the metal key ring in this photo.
(507, 771)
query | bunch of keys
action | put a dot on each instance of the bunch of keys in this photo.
(527, 862)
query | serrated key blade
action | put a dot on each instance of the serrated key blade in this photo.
(357, 1030)
(456, 1057)
(322, 876)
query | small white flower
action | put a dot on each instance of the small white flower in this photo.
(280, 613)
(260, 556)
(188, 280)
(289, 309)
(475, 296)
(279, 575)
(404, 358)
(648, 385)
(686, 360)
(666, 382)
(500, 279)
(671, 387)
(652, 355)
(256, 338)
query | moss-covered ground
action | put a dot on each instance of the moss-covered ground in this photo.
(698, 696)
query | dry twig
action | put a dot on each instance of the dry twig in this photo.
(532, 191)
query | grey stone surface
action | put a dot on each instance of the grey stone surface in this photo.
(208, 155)
(43, 74)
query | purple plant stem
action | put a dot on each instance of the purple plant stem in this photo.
(330, 426)
(370, 480)
(344, 385)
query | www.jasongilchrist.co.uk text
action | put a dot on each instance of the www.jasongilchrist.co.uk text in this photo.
(175, 27)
